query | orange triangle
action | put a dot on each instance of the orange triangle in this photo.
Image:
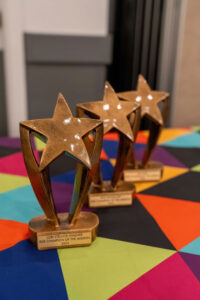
(141, 138)
(178, 219)
(12, 232)
(113, 136)
(103, 155)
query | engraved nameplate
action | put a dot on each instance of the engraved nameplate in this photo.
(61, 239)
(110, 199)
(142, 175)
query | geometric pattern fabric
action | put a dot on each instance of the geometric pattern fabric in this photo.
(172, 279)
(104, 270)
(147, 251)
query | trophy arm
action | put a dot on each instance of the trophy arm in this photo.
(125, 153)
(84, 176)
(151, 144)
(97, 178)
(165, 111)
(122, 158)
(135, 121)
(39, 179)
(155, 132)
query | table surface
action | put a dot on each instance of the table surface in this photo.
(150, 250)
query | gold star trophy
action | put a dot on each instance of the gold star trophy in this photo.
(147, 170)
(123, 117)
(64, 134)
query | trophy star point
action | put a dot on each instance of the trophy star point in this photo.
(62, 109)
(142, 83)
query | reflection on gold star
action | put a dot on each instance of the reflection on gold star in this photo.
(147, 98)
(111, 111)
(64, 134)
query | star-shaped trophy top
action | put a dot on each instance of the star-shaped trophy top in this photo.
(64, 133)
(112, 111)
(147, 98)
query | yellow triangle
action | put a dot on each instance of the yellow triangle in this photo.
(11, 182)
(113, 160)
(168, 173)
(170, 134)
(40, 145)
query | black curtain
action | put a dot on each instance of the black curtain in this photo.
(137, 29)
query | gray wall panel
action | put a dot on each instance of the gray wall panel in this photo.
(78, 83)
(73, 49)
(75, 66)
(3, 125)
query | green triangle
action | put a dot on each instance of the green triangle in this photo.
(11, 182)
(196, 168)
(196, 128)
(102, 269)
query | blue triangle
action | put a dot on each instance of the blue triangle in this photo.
(19, 205)
(193, 247)
(27, 273)
(189, 140)
(67, 177)
(106, 169)
(111, 148)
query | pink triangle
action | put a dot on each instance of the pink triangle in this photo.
(172, 279)
(14, 164)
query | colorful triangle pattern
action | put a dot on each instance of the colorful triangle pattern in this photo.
(186, 141)
(149, 251)
(193, 247)
(178, 219)
(118, 263)
(172, 279)
(193, 262)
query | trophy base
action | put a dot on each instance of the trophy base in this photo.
(122, 196)
(153, 172)
(45, 235)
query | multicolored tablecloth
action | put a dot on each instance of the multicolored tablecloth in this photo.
(150, 250)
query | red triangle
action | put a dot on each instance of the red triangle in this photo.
(103, 155)
(178, 219)
(112, 136)
(172, 279)
(141, 138)
(12, 232)
(14, 164)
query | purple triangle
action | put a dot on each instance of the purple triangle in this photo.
(10, 142)
(14, 142)
(193, 262)
(62, 193)
(161, 155)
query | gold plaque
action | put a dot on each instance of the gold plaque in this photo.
(152, 172)
(148, 100)
(64, 134)
(82, 233)
(124, 118)
(122, 196)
